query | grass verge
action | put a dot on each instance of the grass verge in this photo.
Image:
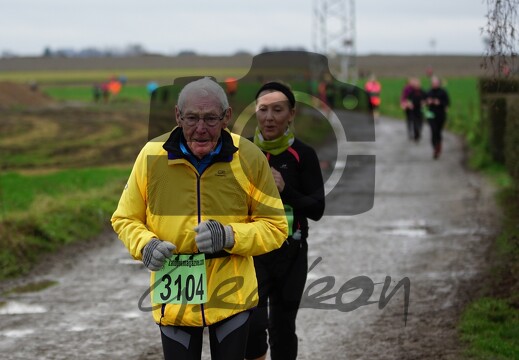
(490, 325)
(44, 218)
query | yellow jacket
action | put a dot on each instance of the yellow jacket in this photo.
(165, 198)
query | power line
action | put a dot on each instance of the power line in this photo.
(333, 35)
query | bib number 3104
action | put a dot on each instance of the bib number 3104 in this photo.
(182, 280)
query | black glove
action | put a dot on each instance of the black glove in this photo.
(155, 252)
(213, 236)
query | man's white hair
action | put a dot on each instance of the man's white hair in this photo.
(203, 87)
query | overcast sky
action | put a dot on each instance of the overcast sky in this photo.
(226, 26)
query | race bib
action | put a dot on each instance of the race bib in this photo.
(182, 280)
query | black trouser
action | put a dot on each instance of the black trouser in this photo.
(436, 125)
(409, 124)
(281, 280)
(227, 339)
(415, 123)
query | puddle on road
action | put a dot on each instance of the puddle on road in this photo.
(16, 333)
(408, 228)
(421, 229)
(78, 328)
(131, 315)
(407, 232)
(14, 307)
(19, 308)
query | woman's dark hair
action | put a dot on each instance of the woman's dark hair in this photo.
(277, 86)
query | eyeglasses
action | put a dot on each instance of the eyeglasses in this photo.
(209, 120)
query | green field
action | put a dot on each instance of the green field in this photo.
(87, 77)
(41, 213)
(85, 93)
(21, 191)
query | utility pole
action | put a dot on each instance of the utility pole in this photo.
(334, 35)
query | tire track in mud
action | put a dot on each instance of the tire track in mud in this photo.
(68, 136)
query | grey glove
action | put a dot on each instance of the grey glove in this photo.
(213, 236)
(155, 252)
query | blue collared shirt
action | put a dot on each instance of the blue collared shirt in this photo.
(203, 163)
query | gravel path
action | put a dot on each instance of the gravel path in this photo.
(429, 230)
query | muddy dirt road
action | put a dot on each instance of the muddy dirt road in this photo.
(431, 223)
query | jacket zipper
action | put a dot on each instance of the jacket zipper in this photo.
(199, 220)
(162, 312)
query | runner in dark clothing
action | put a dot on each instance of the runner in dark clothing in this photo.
(416, 101)
(405, 104)
(282, 273)
(437, 101)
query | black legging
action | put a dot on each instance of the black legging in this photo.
(415, 123)
(281, 280)
(228, 339)
(436, 125)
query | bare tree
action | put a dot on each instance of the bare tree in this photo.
(501, 31)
